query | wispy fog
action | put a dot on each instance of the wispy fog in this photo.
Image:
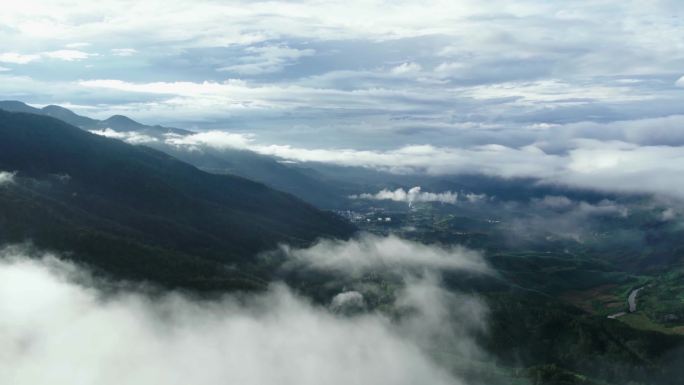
(6, 177)
(370, 252)
(57, 327)
(561, 217)
(132, 137)
(411, 196)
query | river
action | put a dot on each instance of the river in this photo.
(631, 302)
(632, 299)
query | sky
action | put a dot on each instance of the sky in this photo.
(546, 83)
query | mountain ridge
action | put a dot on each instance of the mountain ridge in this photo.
(122, 194)
(243, 163)
(119, 123)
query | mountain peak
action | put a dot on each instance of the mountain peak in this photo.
(122, 123)
(68, 116)
(120, 119)
(56, 108)
(17, 106)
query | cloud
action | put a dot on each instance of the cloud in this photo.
(491, 159)
(6, 177)
(240, 96)
(582, 208)
(556, 202)
(17, 58)
(267, 59)
(348, 301)
(680, 82)
(56, 320)
(411, 196)
(62, 54)
(458, 87)
(131, 137)
(668, 215)
(556, 217)
(369, 252)
(406, 69)
(473, 198)
(601, 165)
(412, 109)
(68, 55)
(77, 45)
(123, 51)
(212, 139)
(611, 166)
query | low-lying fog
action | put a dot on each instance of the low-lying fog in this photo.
(58, 327)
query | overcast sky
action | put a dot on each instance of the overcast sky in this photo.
(367, 75)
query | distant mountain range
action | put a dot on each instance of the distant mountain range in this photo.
(140, 213)
(238, 162)
(323, 185)
(118, 123)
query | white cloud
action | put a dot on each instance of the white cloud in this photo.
(131, 137)
(603, 165)
(267, 59)
(212, 139)
(680, 82)
(411, 196)
(6, 177)
(4, 69)
(608, 166)
(473, 198)
(63, 54)
(668, 215)
(405, 69)
(491, 159)
(553, 91)
(68, 55)
(448, 69)
(17, 58)
(123, 51)
(76, 335)
(369, 252)
(238, 95)
(77, 45)
(348, 300)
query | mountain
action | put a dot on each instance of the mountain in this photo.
(243, 163)
(17, 106)
(140, 213)
(68, 116)
(118, 123)
(264, 169)
(122, 123)
(323, 185)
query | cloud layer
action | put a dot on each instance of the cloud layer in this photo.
(55, 319)
(606, 165)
